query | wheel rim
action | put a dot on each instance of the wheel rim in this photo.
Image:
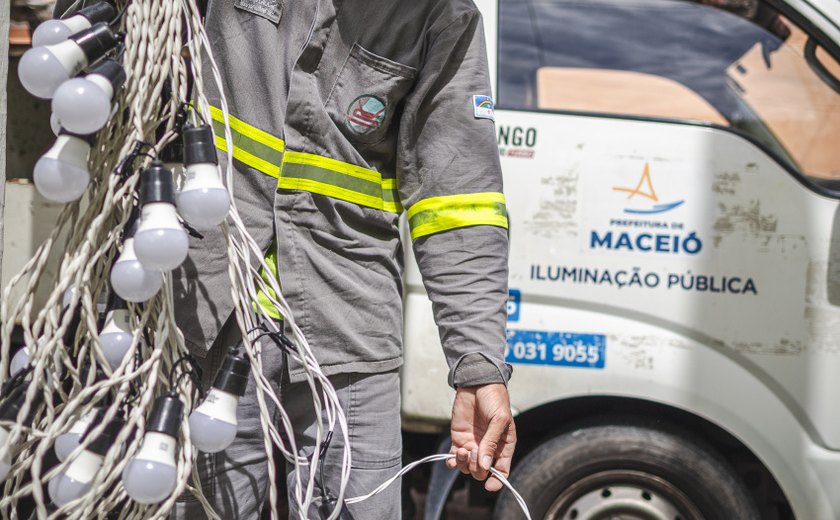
(623, 495)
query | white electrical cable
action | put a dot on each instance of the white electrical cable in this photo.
(434, 458)
(242, 247)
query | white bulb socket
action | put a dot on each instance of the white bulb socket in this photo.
(61, 174)
(130, 280)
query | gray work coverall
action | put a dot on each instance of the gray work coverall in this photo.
(345, 113)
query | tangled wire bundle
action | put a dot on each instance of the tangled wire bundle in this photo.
(68, 384)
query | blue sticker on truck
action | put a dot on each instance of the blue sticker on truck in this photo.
(513, 304)
(565, 349)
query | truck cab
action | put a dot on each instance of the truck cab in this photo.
(672, 177)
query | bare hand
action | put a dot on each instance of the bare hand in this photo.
(483, 433)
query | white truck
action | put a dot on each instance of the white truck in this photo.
(672, 174)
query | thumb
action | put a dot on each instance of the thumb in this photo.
(489, 445)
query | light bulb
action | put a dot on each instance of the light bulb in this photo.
(70, 440)
(67, 299)
(19, 361)
(129, 279)
(213, 424)
(116, 335)
(150, 477)
(75, 481)
(43, 69)
(55, 124)
(56, 31)
(160, 242)
(61, 174)
(83, 105)
(203, 200)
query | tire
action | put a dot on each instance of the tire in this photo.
(626, 471)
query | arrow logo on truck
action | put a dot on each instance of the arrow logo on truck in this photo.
(644, 188)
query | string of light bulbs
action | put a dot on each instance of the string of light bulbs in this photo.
(104, 382)
(68, 336)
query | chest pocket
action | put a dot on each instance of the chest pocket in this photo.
(366, 94)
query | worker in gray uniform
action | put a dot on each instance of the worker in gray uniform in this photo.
(345, 114)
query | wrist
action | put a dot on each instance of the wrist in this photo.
(476, 369)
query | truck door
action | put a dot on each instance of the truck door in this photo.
(671, 171)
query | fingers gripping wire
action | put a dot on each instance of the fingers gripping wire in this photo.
(434, 458)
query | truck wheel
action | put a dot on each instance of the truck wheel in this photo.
(626, 472)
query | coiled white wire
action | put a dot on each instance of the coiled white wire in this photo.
(441, 457)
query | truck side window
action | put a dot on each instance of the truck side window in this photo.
(734, 63)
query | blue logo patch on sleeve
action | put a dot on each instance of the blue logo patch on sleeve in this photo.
(483, 108)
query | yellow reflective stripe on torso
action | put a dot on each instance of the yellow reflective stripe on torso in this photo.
(339, 180)
(302, 171)
(264, 297)
(251, 146)
(352, 183)
(305, 171)
(437, 214)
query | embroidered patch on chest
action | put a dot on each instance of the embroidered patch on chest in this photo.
(268, 9)
(483, 108)
(365, 114)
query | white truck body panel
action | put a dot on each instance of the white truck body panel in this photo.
(734, 315)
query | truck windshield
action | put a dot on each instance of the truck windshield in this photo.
(735, 63)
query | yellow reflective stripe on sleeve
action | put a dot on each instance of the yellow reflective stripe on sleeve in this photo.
(251, 146)
(339, 180)
(325, 163)
(437, 214)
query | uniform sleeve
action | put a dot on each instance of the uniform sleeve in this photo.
(451, 186)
